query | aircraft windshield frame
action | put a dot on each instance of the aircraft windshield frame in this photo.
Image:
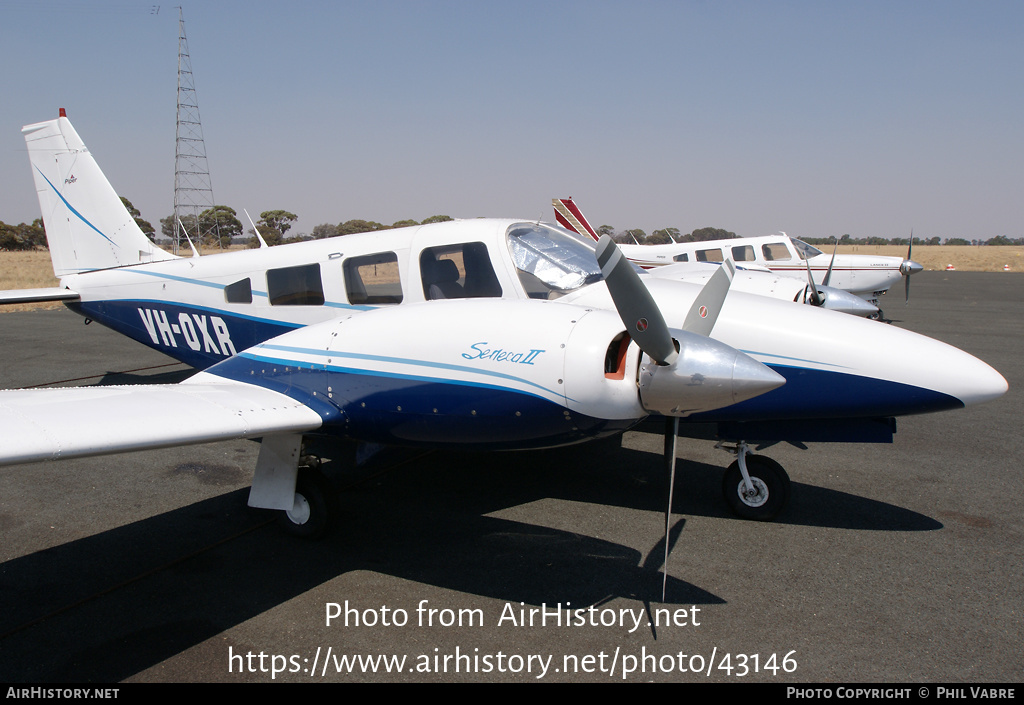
(804, 250)
(551, 261)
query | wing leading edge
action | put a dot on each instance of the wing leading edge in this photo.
(73, 422)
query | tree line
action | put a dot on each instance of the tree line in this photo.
(670, 235)
(216, 224)
(220, 224)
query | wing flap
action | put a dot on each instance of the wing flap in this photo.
(51, 424)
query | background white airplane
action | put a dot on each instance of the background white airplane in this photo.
(866, 276)
(487, 334)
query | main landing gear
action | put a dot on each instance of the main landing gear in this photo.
(314, 508)
(755, 486)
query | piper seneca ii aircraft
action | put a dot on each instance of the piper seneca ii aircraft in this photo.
(865, 276)
(484, 334)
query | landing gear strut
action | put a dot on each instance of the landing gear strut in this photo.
(755, 486)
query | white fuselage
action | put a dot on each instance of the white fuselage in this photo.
(835, 365)
(868, 276)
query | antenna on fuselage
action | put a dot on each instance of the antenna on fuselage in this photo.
(263, 243)
(195, 252)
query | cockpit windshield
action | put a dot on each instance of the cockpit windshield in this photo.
(804, 250)
(551, 261)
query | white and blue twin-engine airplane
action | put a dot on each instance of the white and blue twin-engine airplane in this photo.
(485, 334)
(865, 278)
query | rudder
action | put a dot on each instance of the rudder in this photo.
(87, 225)
(570, 217)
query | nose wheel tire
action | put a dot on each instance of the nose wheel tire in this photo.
(312, 514)
(769, 494)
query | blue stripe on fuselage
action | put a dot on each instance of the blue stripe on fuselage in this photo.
(822, 394)
(422, 411)
(427, 365)
(213, 335)
(221, 287)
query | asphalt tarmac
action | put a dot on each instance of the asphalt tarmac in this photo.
(896, 563)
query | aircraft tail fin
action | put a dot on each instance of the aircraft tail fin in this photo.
(569, 216)
(87, 225)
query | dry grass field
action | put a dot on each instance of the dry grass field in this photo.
(937, 257)
(26, 270)
(32, 270)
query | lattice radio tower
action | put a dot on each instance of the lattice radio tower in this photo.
(193, 190)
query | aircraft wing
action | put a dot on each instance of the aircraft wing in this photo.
(70, 422)
(29, 296)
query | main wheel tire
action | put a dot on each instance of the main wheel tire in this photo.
(313, 512)
(771, 489)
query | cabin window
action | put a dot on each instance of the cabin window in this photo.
(775, 252)
(373, 279)
(709, 255)
(458, 272)
(295, 286)
(743, 253)
(239, 293)
(681, 258)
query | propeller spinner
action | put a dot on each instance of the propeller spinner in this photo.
(817, 298)
(825, 296)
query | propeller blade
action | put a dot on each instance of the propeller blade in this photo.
(635, 305)
(704, 312)
(909, 267)
(812, 288)
(906, 275)
(828, 274)
(671, 438)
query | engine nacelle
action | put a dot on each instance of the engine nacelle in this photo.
(706, 375)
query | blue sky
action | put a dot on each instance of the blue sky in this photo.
(817, 118)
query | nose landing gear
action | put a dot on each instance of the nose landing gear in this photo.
(755, 486)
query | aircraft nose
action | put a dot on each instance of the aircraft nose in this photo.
(985, 383)
(909, 267)
(957, 373)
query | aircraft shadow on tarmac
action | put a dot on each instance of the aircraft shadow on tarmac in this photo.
(122, 378)
(105, 607)
(809, 505)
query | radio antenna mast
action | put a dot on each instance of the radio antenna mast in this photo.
(193, 190)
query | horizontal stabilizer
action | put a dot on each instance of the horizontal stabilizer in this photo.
(32, 296)
(72, 422)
